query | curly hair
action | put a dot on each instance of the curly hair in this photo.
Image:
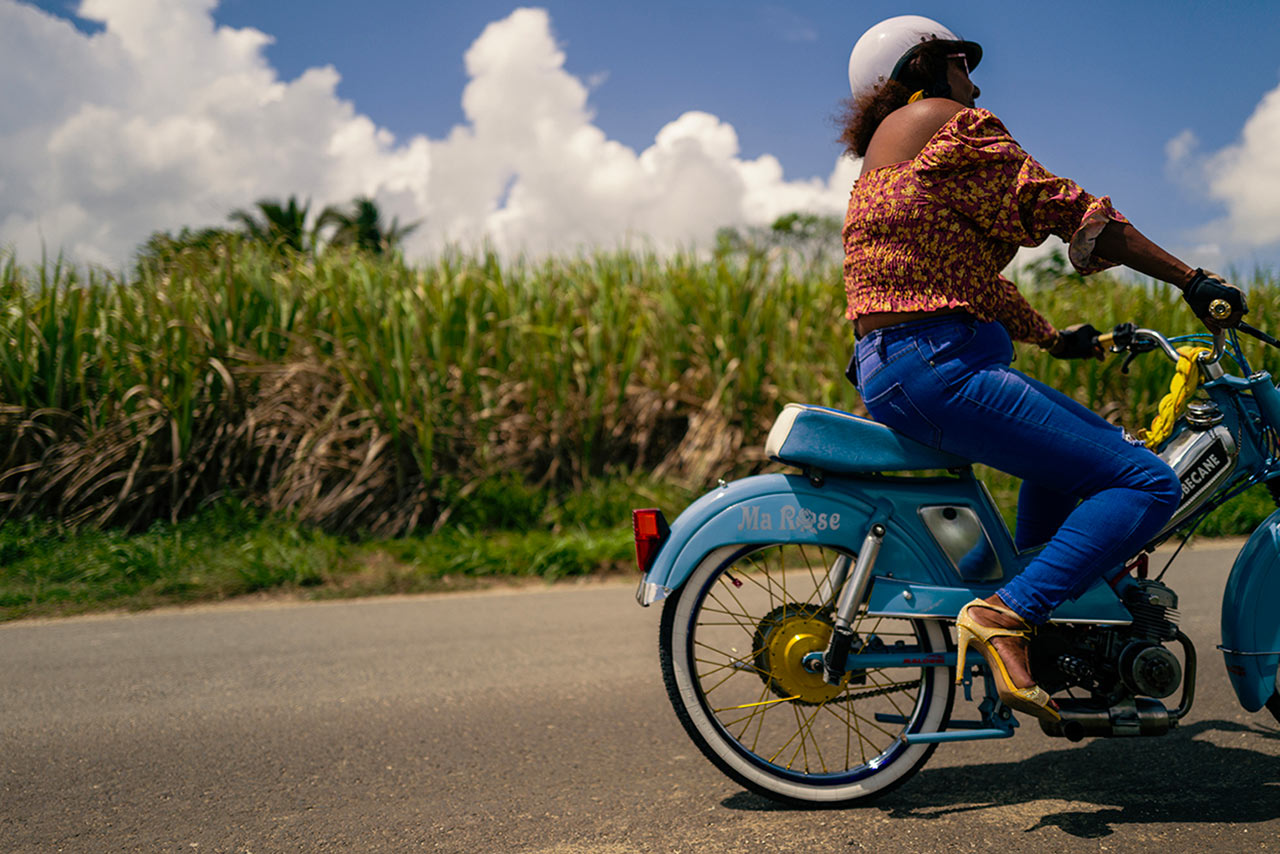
(859, 117)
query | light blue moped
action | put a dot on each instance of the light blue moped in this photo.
(805, 637)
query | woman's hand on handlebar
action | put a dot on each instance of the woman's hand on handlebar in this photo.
(1219, 305)
(1079, 341)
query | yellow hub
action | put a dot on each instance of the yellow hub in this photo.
(784, 639)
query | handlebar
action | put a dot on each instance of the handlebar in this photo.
(1126, 335)
(1136, 340)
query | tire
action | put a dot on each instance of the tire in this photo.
(731, 640)
(1273, 704)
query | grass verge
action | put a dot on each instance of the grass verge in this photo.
(509, 530)
(46, 570)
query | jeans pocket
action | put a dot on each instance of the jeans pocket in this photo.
(947, 341)
(957, 357)
(893, 408)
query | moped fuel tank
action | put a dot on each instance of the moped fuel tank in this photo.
(1203, 455)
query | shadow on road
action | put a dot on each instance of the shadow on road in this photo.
(1177, 779)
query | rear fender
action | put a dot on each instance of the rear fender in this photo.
(1251, 618)
(777, 508)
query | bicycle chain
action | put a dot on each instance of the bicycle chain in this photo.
(874, 692)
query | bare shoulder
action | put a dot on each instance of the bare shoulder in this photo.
(924, 117)
(905, 132)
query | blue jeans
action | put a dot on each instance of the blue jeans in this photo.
(1095, 497)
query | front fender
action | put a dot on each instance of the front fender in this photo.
(1251, 616)
(774, 508)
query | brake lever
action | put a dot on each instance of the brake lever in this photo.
(1123, 338)
(1257, 333)
(1118, 339)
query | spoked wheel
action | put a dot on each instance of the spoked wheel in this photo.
(733, 642)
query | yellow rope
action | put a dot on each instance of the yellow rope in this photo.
(1185, 379)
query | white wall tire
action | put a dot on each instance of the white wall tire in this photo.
(729, 642)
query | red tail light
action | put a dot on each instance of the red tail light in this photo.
(651, 532)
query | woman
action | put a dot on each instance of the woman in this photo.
(945, 198)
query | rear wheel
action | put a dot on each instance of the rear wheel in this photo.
(732, 642)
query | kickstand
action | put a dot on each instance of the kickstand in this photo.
(993, 714)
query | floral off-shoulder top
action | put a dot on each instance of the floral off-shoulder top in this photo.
(935, 231)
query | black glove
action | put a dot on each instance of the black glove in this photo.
(1204, 289)
(1077, 342)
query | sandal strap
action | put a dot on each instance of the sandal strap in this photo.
(998, 632)
(1000, 609)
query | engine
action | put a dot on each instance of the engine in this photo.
(1114, 661)
(1119, 666)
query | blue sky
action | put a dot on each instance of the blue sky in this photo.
(1147, 102)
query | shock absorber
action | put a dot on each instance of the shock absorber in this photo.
(835, 659)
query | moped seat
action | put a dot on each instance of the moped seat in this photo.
(817, 437)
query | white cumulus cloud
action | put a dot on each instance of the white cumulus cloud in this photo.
(1244, 176)
(163, 119)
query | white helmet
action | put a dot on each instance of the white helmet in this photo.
(882, 51)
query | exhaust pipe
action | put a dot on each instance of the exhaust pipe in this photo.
(1133, 717)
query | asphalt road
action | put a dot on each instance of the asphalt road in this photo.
(534, 721)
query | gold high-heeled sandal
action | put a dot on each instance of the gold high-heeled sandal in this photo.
(1033, 699)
